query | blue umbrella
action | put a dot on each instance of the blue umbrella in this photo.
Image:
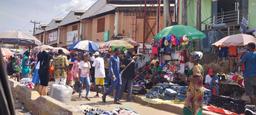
(87, 45)
(71, 47)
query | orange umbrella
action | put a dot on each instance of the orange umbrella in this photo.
(235, 40)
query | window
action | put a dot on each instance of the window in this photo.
(74, 27)
(101, 25)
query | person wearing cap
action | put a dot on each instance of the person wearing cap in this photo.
(194, 99)
(116, 81)
(25, 65)
(99, 75)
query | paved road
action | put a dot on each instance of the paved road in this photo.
(97, 102)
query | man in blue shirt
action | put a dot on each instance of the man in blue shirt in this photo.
(116, 81)
(249, 60)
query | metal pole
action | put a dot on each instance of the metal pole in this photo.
(144, 25)
(166, 13)
(184, 12)
(198, 21)
(80, 29)
(158, 15)
(116, 23)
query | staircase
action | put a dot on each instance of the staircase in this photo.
(224, 24)
(227, 22)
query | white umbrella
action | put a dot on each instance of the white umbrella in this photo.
(119, 43)
(235, 40)
(40, 48)
(87, 45)
(17, 37)
(56, 49)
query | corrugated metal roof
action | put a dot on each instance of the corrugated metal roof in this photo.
(94, 8)
(69, 18)
(106, 8)
(134, 1)
(53, 25)
(38, 31)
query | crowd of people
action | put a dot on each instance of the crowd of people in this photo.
(87, 70)
(117, 70)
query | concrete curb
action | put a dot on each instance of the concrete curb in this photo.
(40, 105)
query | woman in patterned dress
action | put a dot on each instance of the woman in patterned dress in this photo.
(194, 99)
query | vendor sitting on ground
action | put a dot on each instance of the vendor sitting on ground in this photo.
(212, 82)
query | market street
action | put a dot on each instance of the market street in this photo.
(128, 57)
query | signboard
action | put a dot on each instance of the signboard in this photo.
(72, 37)
(53, 36)
(106, 36)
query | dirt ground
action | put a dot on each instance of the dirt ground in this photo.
(97, 102)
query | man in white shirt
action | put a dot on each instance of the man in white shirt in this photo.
(99, 66)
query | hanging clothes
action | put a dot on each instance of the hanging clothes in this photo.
(223, 52)
(154, 50)
(232, 51)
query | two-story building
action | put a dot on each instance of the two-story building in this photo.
(106, 20)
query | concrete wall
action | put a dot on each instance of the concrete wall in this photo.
(252, 13)
(38, 105)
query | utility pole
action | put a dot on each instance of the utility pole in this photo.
(166, 13)
(34, 24)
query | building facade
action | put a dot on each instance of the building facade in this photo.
(104, 21)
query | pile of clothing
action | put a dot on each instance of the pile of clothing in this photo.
(181, 92)
(27, 82)
(170, 91)
(250, 110)
(118, 111)
(228, 103)
(159, 91)
(124, 111)
(139, 87)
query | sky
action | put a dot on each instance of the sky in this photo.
(17, 14)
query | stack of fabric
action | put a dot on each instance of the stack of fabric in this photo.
(118, 111)
(162, 91)
(250, 110)
(181, 92)
(139, 87)
(169, 91)
(207, 96)
(124, 111)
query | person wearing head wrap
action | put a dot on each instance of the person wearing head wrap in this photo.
(25, 65)
(194, 99)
